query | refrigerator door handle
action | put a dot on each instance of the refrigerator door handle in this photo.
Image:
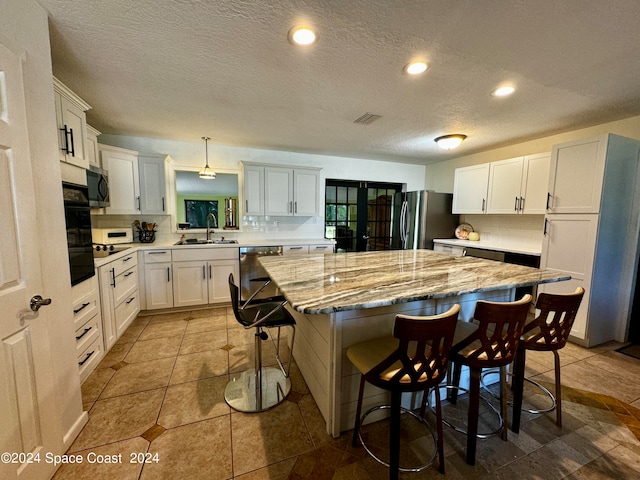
(403, 225)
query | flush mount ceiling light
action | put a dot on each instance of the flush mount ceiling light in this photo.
(415, 68)
(504, 91)
(303, 36)
(449, 142)
(206, 173)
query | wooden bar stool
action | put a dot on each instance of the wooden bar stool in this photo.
(493, 344)
(414, 359)
(547, 332)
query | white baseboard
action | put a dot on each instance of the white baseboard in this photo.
(74, 431)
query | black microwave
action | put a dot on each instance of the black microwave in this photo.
(98, 185)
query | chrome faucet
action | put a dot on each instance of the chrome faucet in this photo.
(215, 224)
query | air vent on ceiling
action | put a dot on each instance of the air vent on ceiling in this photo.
(367, 118)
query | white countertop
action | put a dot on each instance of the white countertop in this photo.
(525, 247)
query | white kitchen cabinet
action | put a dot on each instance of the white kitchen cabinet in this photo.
(321, 248)
(576, 176)
(593, 183)
(535, 177)
(288, 250)
(470, 189)
(87, 322)
(450, 249)
(281, 191)
(200, 275)
(253, 190)
(71, 122)
(119, 296)
(124, 182)
(91, 145)
(158, 281)
(151, 169)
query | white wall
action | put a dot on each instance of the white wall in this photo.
(439, 176)
(229, 158)
(24, 27)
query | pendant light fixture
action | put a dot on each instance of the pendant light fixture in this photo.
(206, 173)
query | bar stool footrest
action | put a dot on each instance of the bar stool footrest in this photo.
(242, 395)
(542, 388)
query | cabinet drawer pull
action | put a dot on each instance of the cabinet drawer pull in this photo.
(321, 248)
(78, 310)
(86, 330)
(157, 253)
(126, 259)
(295, 248)
(130, 300)
(127, 274)
(86, 358)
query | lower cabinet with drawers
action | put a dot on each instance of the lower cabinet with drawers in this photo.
(87, 321)
(119, 296)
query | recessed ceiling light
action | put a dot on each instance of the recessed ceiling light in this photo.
(415, 68)
(449, 142)
(503, 91)
(303, 36)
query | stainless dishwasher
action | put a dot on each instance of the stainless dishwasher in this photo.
(251, 271)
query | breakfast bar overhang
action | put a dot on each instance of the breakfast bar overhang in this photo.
(338, 300)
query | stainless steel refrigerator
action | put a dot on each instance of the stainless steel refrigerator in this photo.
(419, 217)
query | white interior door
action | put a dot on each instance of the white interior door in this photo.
(27, 394)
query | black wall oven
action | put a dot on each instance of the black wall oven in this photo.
(77, 214)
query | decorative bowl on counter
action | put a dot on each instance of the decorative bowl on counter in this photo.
(463, 231)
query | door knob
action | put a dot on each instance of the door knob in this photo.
(37, 301)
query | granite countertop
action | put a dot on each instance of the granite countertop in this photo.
(351, 281)
(526, 247)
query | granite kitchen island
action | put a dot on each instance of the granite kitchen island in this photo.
(338, 300)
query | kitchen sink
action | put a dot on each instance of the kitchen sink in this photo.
(194, 241)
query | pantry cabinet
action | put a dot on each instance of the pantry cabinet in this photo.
(71, 122)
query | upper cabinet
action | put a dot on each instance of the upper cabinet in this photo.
(281, 191)
(72, 125)
(518, 185)
(513, 186)
(137, 182)
(153, 188)
(577, 173)
(91, 145)
(124, 182)
(470, 189)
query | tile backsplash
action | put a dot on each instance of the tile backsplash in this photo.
(507, 228)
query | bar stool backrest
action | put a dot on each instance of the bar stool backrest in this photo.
(422, 356)
(551, 327)
(495, 342)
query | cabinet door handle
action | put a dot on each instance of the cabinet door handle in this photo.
(86, 330)
(86, 358)
(515, 205)
(78, 310)
(544, 232)
(246, 206)
(290, 209)
(209, 271)
(163, 204)
(138, 198)
(483, 202)
(521, 204)
(295, 207)
(168, 274)
(548, 200)
(73, 148)
(113, 277)
(65, 148)
(204, 274)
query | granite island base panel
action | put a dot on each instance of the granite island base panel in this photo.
(339, 300)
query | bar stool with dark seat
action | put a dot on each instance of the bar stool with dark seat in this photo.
(548, 331)
(262, 387)
(414, 359)
(493, 344)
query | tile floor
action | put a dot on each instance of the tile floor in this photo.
(160, 391)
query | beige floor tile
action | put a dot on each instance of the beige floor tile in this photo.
(119, 418)
(170, 328)
(196, 366)
(157, 348)
(241, 357)
(93, 386)
(206, 324)
(203, 341)
(141, 321)
(277, 471)
(131, 334)
(197, 451)
(108, 462)
(314, 421)
(268, 437)
(194, 401)
(168, 317)
(209, 312)
(115, 355)
(137, 377)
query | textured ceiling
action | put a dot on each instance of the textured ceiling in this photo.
(181, 69)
